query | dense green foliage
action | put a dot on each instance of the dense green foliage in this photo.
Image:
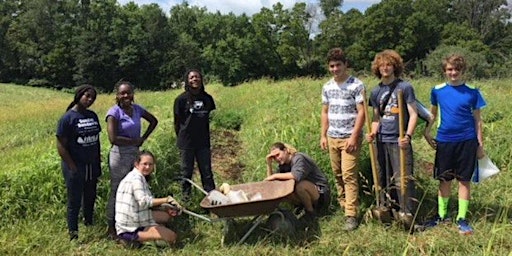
(32, 192)
(65, 43)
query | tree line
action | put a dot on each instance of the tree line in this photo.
(64, 43)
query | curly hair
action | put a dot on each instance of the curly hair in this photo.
(456, 61)
(388, 56)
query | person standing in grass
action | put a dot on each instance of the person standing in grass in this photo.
(78, 144)
(388, 67)
(140, 217)
(192, 111)
(342, 119)
(124, 133)
(311, 186)
(459, 138)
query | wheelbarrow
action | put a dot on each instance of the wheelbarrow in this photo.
(272, 194)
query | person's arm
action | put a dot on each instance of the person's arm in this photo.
(64, 153)
(153, 122)
(427, 131)
(177, 117)
(411, 125)
(280, 176)
(358, 127)
(269, 158)
(324, 124)
(479, 125)
(374, 125)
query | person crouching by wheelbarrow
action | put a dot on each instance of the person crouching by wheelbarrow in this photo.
(311, 187)
(139, 216)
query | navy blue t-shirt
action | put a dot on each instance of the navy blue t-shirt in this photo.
(82, 131)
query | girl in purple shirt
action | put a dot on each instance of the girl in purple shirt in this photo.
(124, 133)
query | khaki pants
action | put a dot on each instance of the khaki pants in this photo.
(345, 168)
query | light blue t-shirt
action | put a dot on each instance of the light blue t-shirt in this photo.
(455, 109)
(127, 126)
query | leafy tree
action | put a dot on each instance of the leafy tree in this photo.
(94, 51)
(476, 61)
(330, 7)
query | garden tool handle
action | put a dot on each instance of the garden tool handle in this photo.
(401, 124)
(373, 151)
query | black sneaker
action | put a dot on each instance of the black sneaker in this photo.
(73, 235)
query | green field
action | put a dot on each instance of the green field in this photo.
(32, 191)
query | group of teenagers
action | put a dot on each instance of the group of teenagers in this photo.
(134, 215)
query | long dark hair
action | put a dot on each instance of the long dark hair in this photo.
(80, 91)
(185, 78)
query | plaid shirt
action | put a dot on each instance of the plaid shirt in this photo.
(133, 203)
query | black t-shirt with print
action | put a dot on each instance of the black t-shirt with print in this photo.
(192, 120)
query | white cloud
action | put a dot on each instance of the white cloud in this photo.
(244, 6)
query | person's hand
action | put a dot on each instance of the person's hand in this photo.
(480, 152)
(272, 156)
(405, 141)
(173, 202)
(271, 177)
(431, 141)
(323, 143)
(370, 137)
(351, 145)
(139, 141)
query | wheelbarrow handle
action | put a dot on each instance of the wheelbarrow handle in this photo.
(195, 185)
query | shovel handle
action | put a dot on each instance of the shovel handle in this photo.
(401, 120)
(373, 151)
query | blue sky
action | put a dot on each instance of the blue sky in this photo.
(244, 6)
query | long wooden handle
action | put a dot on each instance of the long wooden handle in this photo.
(373, 151)
(403, 175)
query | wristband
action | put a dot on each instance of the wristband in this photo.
(408, 136)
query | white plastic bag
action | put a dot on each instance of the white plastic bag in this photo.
(218, 198)
(237, 196)
(485, 169)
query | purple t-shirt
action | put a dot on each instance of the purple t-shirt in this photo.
(127, 126)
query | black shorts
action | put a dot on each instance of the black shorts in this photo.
(455, 160)
(324, 200)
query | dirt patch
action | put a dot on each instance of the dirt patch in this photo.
(225, 150)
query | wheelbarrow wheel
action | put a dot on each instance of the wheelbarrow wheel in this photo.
(228, 232)
(283, 223)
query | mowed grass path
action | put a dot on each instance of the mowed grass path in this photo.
(272, 111)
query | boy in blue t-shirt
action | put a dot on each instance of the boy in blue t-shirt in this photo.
(459, 139)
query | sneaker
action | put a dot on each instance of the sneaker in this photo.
(112, 234)
(351, 224)
(464, 227)
(437, 221)
(73, 235)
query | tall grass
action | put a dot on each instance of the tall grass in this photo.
(32, 193)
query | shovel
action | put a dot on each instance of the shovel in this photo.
(404, 218)
(379, 212)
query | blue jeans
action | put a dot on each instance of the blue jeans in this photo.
(204, 162)
(81, 191)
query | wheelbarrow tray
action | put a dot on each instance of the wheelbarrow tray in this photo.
(272, 193)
